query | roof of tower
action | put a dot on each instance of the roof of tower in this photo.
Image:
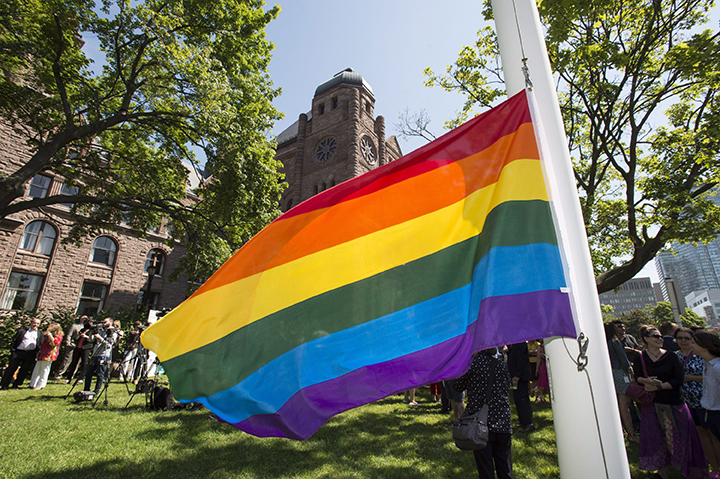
(345, 77)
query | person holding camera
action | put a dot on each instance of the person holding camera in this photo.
(104, 339)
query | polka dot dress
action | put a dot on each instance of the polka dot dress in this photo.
(476, 382)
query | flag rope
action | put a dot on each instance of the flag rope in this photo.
(525, 69)
(582, 363)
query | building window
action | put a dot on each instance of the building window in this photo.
(334, 102)
(39, 186)
(68, 191)
(321, 108)
(23, 291)
(325, 149)
(156, 229)
(157, 257)
(103, 251)
(367, 148)
(39, 237)
(92, 298)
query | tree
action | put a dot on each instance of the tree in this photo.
(638, 84)
(634, 320)
(176, 77)
(662, 313)
(414, 124)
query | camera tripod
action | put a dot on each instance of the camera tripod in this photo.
(145, 385)
(106, 382)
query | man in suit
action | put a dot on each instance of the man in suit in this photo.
(519, 367)
(24, 348)
(667, 329)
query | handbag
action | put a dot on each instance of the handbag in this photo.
(471, 431)
(637, 391)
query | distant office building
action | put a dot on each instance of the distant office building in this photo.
(705, 303)
(658, 289)
(695, 268)
(633, 294)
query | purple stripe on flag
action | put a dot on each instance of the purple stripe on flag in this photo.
(503, 320)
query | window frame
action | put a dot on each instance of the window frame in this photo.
(112, 253)
(159, 254)
(38, 238)
(86, 299)
(44, 189)
(9, 304)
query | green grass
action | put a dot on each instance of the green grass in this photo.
(43, 435)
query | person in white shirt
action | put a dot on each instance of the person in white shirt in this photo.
(24, 349)
(707, 346)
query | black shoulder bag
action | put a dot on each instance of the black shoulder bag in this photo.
(471, 431)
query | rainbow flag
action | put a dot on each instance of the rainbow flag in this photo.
(389, 281)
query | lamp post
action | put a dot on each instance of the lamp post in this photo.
(151, 270)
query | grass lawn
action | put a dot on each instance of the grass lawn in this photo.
(43, 435)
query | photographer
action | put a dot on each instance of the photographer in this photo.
(104, 339)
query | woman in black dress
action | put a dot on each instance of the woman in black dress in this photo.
(485, 367)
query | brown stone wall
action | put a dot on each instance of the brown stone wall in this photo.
(13, 151)
(69, 266)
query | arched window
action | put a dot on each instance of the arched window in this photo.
(103, 251)
(39, 237)
(156, 257)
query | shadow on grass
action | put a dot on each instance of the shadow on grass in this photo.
(387, 439)
(393, 441)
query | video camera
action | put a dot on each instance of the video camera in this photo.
(93, 327)
(81, 396)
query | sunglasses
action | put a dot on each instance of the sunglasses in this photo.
(684, 338)
(656, 336)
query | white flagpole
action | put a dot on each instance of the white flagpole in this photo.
(585, 411)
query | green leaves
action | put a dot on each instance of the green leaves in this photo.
(171, 78)
(638, 85)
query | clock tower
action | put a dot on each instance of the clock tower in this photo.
(338, 139)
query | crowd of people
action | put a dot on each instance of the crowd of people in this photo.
(92, 350)
(679, 421)
(679, 427)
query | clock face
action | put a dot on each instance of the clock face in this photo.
(368, 150)
(325, 149)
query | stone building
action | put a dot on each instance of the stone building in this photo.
(338, 139)
(106, 271)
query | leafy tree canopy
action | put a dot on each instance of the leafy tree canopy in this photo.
(662, 313)
(176, 77)
(638, 84)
